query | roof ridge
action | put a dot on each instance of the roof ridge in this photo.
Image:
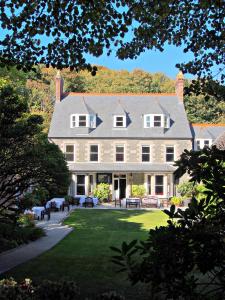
(207, 124)
(119, 94)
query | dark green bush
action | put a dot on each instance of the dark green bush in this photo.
(112, 295)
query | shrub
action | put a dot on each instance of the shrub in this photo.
(26, 220)
(112, 295)
(138, 190)
(69, 199)
(27, 202)
(102, 191)
(176, 201)
(186, 189)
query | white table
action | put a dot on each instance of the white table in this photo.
(37, 210)
(58, 201)
(82, 200)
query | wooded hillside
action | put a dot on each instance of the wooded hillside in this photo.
(39, 89)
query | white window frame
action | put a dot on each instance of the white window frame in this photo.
(90, 120)
(149, 120)
(163, 194)
(146, 153)
(174, 156)
(64, 151)
(123, 120)
(124, 151)
(202, 143)
(93, 161)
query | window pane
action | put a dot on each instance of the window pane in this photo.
(159, 190)
(119, 149)
(69, 157)
(93, 157)
(157, 121)
(145, 157)
(198, 145)
(149, 184)
(119, 157)
(119, 121)
(206, 143)
(170, 153)
(69, 148)
(80, 190)
(145, 149)
(94, 148)
(80, 179)
(82, 121)
(159, 180)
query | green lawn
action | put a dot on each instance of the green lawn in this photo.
(84, 255)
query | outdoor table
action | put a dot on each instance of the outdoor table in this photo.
(82, 200)
(58, 201)
(38, 210)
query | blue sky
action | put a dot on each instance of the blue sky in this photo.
(150, 61)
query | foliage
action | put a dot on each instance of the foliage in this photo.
(26, 157)
(186, 258)
(110, 296)
(46, 290)
(138, 190)
(40, 196)
(201, 110)
(26, 220)
(186, 189)
(32, 34)
(26, 201)
(177, 201)
(102, 191)
(12, 235)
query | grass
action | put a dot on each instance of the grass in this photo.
(84, 255)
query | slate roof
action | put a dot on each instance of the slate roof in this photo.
(135, 106)
(207, 131)
(120, 167)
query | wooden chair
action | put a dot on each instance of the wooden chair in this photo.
(46, 212)
(88, 202)
(76, 201)
(66, 204)
(117, 202)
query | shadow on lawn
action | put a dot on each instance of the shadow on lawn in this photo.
(85, 256)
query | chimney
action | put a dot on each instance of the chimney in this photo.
(58, 87)
(179, 87)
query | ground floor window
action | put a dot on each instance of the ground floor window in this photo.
(80, 184)
(104, 178)
(159, 185)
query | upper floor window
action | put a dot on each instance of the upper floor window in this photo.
(119, 152)
(69, 152)
(93, 152)
(83, 120)
(119, 121)
(145, 153)
(157, 121)
(201, 143)
(153, 120)
(169, 153)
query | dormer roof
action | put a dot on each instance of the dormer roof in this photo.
(135, 106)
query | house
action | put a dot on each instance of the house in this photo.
(124, 139)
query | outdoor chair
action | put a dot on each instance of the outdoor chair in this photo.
(65, 204)
(46, 212)
(53, 206)
(133, 203)
(88, 202)
(150, 201)
(118, 202)
(76, 201)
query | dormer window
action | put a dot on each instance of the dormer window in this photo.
(83, 120)
(201, 143)
(156, 120)
(119, 121)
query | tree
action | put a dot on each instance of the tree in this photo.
(186, 258)
(26, 157)
(70, 29)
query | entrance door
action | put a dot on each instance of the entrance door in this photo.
(119, 187)
(122, 188)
